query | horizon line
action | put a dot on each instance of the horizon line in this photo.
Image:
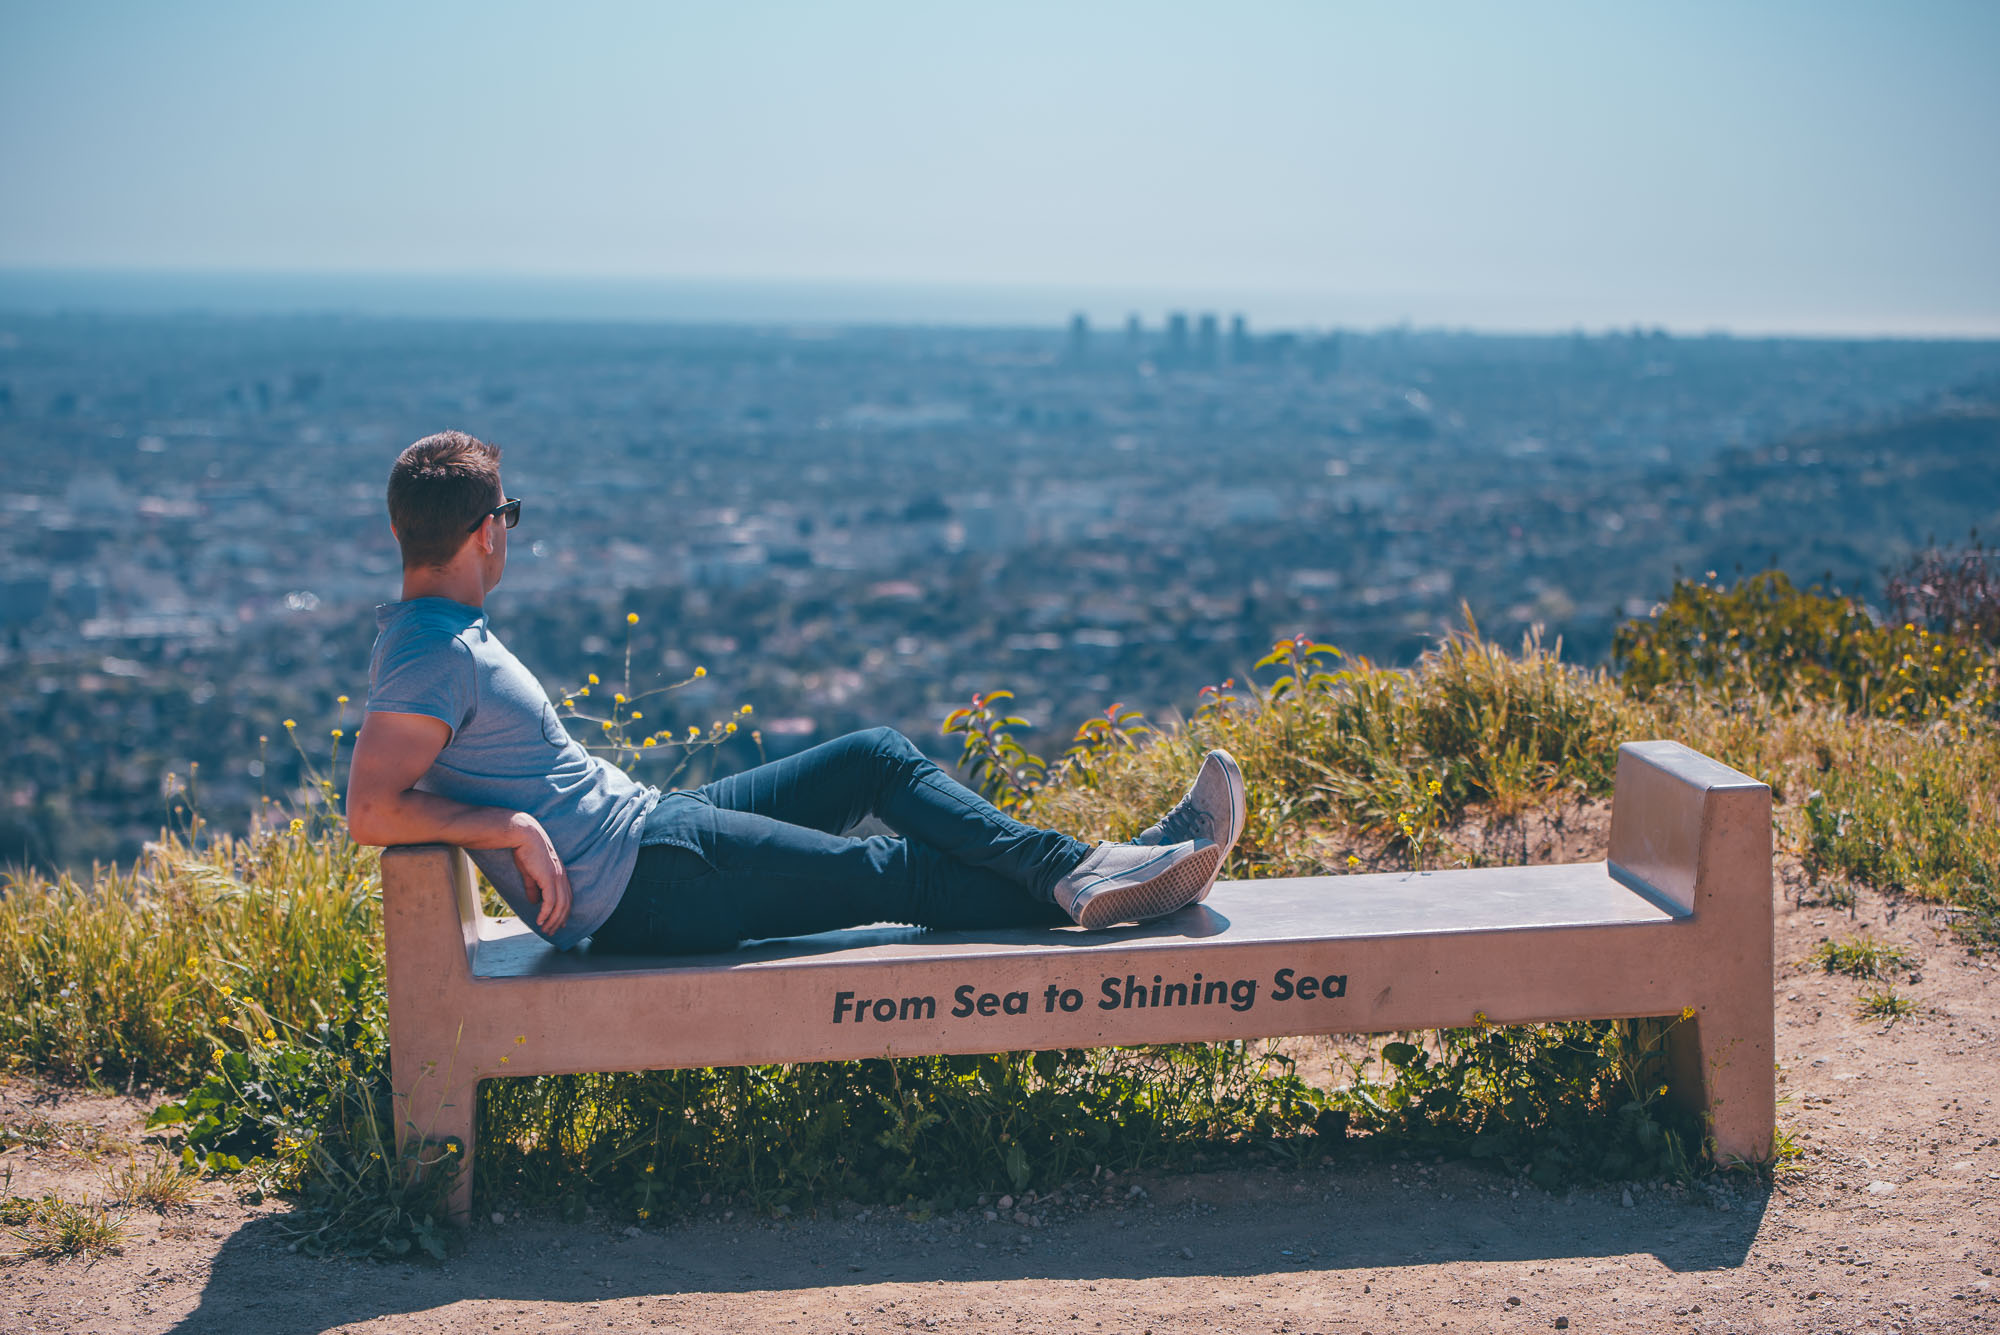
(484, 296)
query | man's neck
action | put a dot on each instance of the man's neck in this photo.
(459, 585)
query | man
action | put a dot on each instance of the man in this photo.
(460, 745)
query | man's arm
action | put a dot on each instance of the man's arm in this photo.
(391, 753)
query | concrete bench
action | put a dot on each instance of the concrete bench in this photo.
(1678, 917)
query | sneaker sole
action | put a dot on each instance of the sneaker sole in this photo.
(1178, 886)
(1239, 814)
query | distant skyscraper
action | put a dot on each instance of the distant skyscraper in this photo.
(1079, 337)
(1177, 338)
(1239, 340)
(1207, 342)
(1135, 333)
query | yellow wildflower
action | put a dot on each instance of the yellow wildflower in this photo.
(224, 988)
(519, 1039)
(1687, 1012)
(270, 1035)
(650, 741)
(693, 732)
(593, 679)
(631, 618)
(729, 727)
(339, 732)
(744, 710)
(340, 699)
(291, 723)
(1353, 861)
(700, 671)
(636, 716)
(618, 697)
(606, 725)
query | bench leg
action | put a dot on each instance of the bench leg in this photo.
(434, 1110)
(1724, 1072)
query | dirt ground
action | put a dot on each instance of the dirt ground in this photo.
(1886, 1223)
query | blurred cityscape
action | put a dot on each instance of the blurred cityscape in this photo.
(858, 526)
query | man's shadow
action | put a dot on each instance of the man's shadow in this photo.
(257, 1285)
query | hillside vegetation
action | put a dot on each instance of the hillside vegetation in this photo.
(241, 974)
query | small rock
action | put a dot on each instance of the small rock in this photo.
(992, 1216)
(1006, 1202)
(1880, 1188)
(632, 1231)
(1513, 1302)
(499, 1218)
(1562, 1323)
(1187, 1253)
(1625, 1198)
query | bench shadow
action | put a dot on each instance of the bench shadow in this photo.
(254, 1285)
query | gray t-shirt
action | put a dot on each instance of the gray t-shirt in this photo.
(508, 748)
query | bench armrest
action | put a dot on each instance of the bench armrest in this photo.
(1689, 831)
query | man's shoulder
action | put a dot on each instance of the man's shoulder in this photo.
(427, 621)
(417, 637)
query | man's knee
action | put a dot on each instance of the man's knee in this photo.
(887, 741)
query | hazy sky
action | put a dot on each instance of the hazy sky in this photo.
(1797, 166)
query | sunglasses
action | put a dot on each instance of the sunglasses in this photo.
(508, 510)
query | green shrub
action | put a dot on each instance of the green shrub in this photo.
(1767, 639)
(1861, 956)
(936, 1129)
(1560, 1101)
(1386, 754)
(1925, 823)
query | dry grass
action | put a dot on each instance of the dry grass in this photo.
(160, 1183)
(52, 1227)
(130, 979)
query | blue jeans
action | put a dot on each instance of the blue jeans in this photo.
(762, 854)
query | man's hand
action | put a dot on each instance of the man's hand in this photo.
(541, 871)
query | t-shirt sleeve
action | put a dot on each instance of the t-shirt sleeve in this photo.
(431, 675)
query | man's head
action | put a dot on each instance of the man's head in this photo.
(439, 489)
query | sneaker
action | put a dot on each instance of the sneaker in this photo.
(1130, 882)
(1213, 809)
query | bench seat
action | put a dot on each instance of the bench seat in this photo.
(1679, 919)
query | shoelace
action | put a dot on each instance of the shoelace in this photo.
(1187, 821)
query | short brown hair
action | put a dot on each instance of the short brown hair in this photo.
(438, 488)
